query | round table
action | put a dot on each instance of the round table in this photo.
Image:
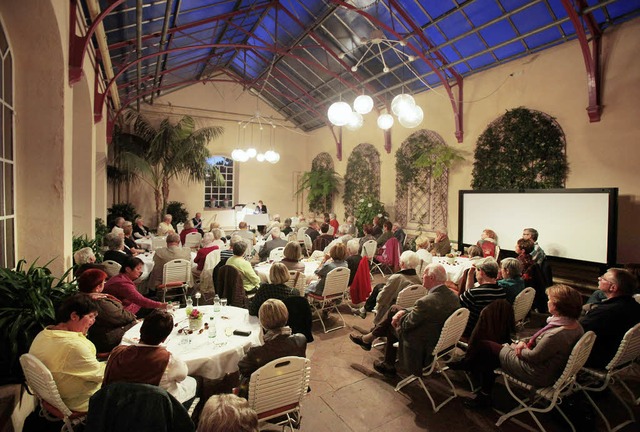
(455, 269)
(209, 357)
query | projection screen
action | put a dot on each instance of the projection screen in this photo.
(576, 224)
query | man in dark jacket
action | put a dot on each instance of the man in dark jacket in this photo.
(611, 318)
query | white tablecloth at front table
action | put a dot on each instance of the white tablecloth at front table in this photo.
(310, 266)
(207, 356)
(454, 271)
(144, 243)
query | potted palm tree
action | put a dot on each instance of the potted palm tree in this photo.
(321, 185)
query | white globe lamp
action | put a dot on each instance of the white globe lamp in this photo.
(385, 121)
(401, 103)
(363, 104)
(260, 157)
(338, 113)
(411, 118)
(251, 152)
(355, 121)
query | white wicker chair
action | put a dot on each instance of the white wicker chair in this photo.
(522, 305)
(176, 276)
(409, 295)
(335, 284)
(112, 268)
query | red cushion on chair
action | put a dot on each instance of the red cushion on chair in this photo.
(170, 285)
(56, 412)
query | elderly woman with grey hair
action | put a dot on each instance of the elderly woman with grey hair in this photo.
(512, 282)
(227, 413)
(85, 259)
(115, 243)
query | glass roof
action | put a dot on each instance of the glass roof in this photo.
(303, 55)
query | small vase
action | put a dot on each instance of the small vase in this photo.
(451, 260)
(195, 324)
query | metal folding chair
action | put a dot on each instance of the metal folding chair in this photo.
(176, 276)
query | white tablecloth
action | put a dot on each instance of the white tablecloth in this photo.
(454, 271)
(209, 357)
(310, 266)
(144, 243)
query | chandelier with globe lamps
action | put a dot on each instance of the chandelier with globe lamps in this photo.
(247, 138)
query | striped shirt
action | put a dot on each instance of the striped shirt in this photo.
(477, 299)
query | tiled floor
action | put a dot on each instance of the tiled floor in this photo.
(347, 394)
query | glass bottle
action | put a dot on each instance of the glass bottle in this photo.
(216, 303)
(212, 328)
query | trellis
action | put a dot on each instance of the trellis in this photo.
(362, 177)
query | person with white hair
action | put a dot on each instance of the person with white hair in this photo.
(384, 295)
(417, 329)
(115, 242)
(218, 234)
(165, 226)
(272, 244)
(351, 226)
(441, 245)
(201, 256)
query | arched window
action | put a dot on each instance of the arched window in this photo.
(421, 194)
(362, 177)
(7, 162)
(220, 196)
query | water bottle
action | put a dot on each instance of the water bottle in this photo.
(216, 303)
(189, 307)
(212, 328)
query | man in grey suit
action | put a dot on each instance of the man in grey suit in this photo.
(272, 244)
(162, 256)
(417, 328)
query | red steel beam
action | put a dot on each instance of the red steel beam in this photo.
(591, 56)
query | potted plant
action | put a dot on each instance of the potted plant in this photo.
(321, 185)
(367, 208)
(28, 301)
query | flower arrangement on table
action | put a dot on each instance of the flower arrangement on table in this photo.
(195, 319)
(451, 258)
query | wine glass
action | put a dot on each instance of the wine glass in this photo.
(223, 302)
(197, 296)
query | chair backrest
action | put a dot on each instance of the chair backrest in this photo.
(112, 268)
(369, 249)
(178, 270)
(192, 240)
(451, 331)
(180, 227)
(213, 258)
(276, 254)
(249, 251)
(637, 297)
(301, 233)
(279, 386)
(409, 295)
(41, 382)
(292, 237)
(308, 244)
(317, 255)
(297, 280)
(577, 359)
(158, 242)
(522, 304)
(629, 349)
(336, 281)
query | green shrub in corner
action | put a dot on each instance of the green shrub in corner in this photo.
(28, 301)
(368, 207)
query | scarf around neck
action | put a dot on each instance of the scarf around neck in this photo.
(274, 333)
(552, 322)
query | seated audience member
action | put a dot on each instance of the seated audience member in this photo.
(323, 240)
(69, 355)
(334, 260)
(120, 233)
(313, 230)
(286, 229)
(538, 254)
(218, 238)
(227, 413)
(117, 223)
(278, 341)
(278, 275)
(523, 249)
(225, 254)
(538, 362)
(366, 229)
(386, 234)
(186, 229)
(422, 248)
(201, 255)
(488, 242)
(333, 222)
(343, 234)
(461, 279)
(441, 245)
(610, 319)
(477, 298)
(302, 223)
(353, 258)
(139, 229)
(229, 285)
(129, 242)
(165, 226)
(351, 226)
(376, 226)
(173, 251)
(272, 244)
(399, 233)
(416, 328)
(116, 252)
(274, 222)
(121, 286)
(85, 259)
(112, 320)
(384, 295)
(250, 280)
(292, 257)
(512, 282)
(149, 363)
(243, 231)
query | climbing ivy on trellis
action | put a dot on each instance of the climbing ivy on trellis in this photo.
(523, 149)
(362, 177)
